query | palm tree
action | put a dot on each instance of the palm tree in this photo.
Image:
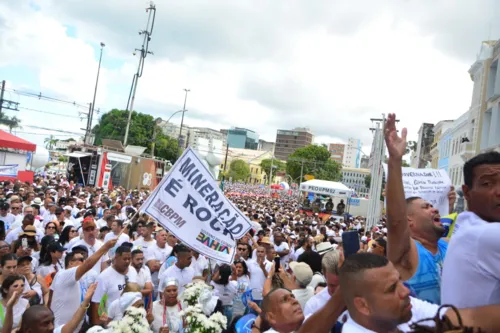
(50, 142)
(14, 122)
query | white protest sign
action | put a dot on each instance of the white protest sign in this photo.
(189, 203)
(432, 185)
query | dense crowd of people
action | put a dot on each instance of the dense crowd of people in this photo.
(76, 258)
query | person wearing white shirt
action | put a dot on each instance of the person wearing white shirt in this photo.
(112, 281)
(259, 270)
(330, 264)
(116, 232)
(156, 257)
(282, 248)
(180, 270)
(143, 274)
(146, 240)
(378, 301)
(13, 235)
(92, 244)
(471, 269)
(7, 218)
(66, 290)
(199, 264)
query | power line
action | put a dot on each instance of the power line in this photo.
(52, 129)
(32, 133)
(40, 96)
(48, 112)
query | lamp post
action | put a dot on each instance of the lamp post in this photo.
(91, 115)
(182, 119)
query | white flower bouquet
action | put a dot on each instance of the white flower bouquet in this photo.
(133, 321)
(195, 297)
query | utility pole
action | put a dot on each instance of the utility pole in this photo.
(181, 146)
(225, 166)
(9, 105)
(144, 51)
(1, 96)
(88, 132)
(376, 171)
(86, 139)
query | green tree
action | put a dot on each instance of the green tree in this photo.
(411, 146)
(238, 170)
(316, 161)
(50, 142)
(112, 126)
(13, 123)
(368, 180)
(10, 122)
(278, 166)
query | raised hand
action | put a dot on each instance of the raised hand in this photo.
(13, 300)
(396, 145)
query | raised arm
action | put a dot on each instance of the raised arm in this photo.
(93, 259)
(398, 230)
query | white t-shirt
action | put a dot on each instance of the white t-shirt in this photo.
(112, 283)
(13, 235)
(66, 296)
(297, 253)
(257, 277)
(316, 302)
(160, 254)
(184, 276)
(143, 276)
(8, 221)
(93, 249)
(18, 312)
(420, 310)
(282, 247)
(225, 293)
(199, 265)
(303, 295)
(471, 269)
(144, 246)
(124, 238)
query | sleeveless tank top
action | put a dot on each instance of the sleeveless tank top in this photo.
(426, 282)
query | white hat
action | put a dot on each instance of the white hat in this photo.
(302, 271)
(324, 247)
(128, 299)
(68, 208)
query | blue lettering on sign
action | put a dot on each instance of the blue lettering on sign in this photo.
(354, 202)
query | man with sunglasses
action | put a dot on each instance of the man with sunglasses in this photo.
(91, 242)
(67, 290)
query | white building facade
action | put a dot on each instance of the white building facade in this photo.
(352, 154)
(354, 178)
(459, 132)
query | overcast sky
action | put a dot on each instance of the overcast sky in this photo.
(330, 65)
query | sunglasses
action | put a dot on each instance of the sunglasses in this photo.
(15, 208)
(51, 227)
(241, 249)
(89, 229)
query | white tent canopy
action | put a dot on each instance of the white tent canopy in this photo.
(325, 187)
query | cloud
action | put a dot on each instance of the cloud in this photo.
(329, 65)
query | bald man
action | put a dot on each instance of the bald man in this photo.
(37, 319)
(378, 301)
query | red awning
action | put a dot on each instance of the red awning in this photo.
(11, 141)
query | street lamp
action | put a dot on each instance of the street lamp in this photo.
(91, 115)
(182, 120)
